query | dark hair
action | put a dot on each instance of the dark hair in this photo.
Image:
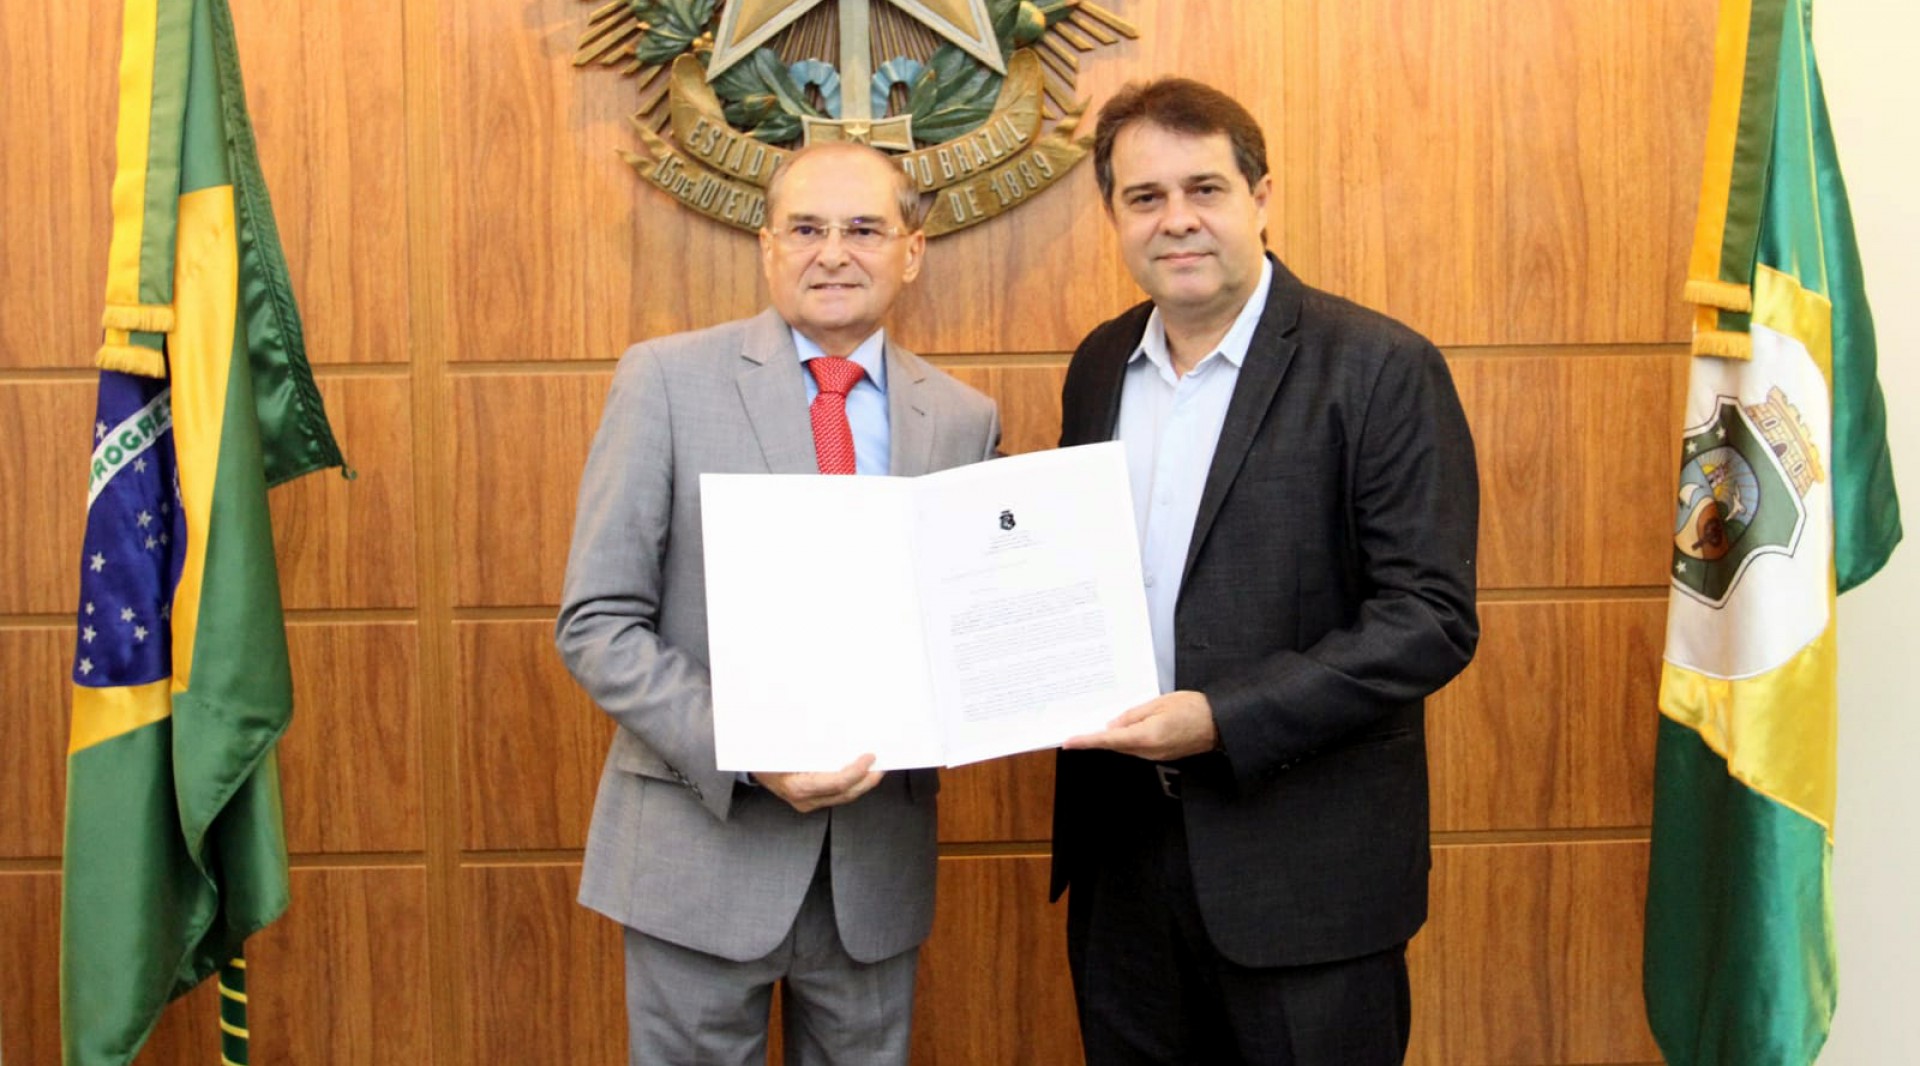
(1181, 105)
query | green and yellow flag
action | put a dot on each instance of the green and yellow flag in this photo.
(1786, 498)
(174, 846)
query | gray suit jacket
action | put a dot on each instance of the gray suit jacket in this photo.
(677, 850)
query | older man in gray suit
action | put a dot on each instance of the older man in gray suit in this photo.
(729, 882)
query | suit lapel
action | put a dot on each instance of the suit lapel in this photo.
(910, 416)
(1268, 357)
(775, 396)
(1106, 376)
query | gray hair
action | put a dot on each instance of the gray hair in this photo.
(906, 196)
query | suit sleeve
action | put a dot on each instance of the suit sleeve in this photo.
(608, 630)
(1413, 518)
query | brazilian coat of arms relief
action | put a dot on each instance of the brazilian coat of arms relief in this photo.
(974, 98)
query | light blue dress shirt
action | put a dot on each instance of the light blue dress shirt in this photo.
(866, 404)
(1170, 426)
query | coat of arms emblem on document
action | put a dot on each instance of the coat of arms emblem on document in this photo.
(974, 97)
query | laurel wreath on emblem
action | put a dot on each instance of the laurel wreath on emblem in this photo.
(963, 90)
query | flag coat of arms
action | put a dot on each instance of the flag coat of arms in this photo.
(181, 686)
(1785, 499)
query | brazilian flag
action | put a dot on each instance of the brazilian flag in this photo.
(1785, 500)
(175, 851)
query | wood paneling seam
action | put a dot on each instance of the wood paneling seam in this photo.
(423, 24)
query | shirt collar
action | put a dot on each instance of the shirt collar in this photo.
(1233, 345)
(871, 355)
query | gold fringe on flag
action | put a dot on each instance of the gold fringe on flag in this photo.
(120, 354)
(1716, 293)
(1724, 344)
(138, 318)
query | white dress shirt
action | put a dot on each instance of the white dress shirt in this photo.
(1170, 425)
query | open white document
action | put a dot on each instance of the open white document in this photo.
(973, 613)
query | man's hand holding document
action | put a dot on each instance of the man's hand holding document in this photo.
(939, 620)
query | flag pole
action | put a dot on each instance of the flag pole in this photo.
(233, 1012)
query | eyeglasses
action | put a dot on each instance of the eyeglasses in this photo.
(862, 234)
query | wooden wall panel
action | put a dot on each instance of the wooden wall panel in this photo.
(37, 665)
(1000, 800)
(1575, 470)
(348, 543)
(59, 80)
(994, 986)
(29, 967)
(599, 260)
(340, 543)
(1511, 173)
(325, 96)
(325, 89)
(343, 977)
(1532, 955)
(1552, 726)
(531, 742)
(520, 442)
(43, 481)
(558, 251)
(539, 972)
(1029, 399)
(188, 1033)
(350, 763)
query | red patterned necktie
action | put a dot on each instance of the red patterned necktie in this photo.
(832, 435)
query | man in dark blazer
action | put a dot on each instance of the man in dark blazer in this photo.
(1248, 853)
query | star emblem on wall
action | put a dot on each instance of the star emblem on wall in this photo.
(748, 24)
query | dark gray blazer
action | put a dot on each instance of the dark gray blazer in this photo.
(1329, 588)
(676, 849)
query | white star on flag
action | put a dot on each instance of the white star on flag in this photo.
(152, 543)
(87, 634)
(126, 614)
(145, 518)
(140, 465)
(86, 667)
(96, 564)
(99, 430)
(139, 632)
(89, 606)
